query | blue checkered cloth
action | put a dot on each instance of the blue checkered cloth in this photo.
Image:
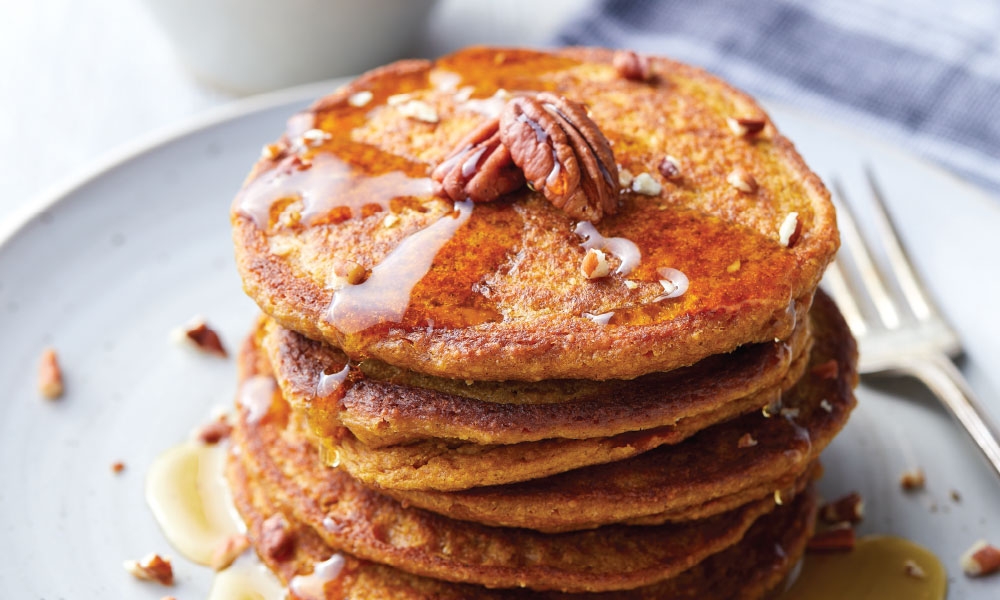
(923, 74)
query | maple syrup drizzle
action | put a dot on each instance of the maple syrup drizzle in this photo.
(385, 295)
(875, 570)
(190, 500)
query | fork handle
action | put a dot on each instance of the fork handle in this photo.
(944, 379)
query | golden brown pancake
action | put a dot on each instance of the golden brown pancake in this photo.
(493, 291)
(683, 477)
(383, 406)
(354, 518)
(746, 571)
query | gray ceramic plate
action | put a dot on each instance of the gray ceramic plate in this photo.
(106, 268)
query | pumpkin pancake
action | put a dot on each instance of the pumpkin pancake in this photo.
(347, 515)
(341, 234)
(383, 405)
(749, 570)
(714, 464)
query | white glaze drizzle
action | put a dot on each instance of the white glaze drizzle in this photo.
(256, 395)
(385, 295)
(329, 382)
(626, 250)
(313, 585)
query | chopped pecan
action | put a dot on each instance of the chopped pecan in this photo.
(839, 538)
(214, 432)
(632, 66)
(745, 126)
(50, 379)
(981, 559)
(152, 568)
(480, 169)
(276, 539)
(563, 154)
(203, 337)
(912, 480)
(850, 508)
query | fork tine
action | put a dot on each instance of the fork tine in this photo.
(863, 260)
(842, 295)
(901, 266)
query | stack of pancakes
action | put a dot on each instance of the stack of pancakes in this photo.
(438, 403)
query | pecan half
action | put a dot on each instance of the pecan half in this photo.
(563, 154)
(480, 169)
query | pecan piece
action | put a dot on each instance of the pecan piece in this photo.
(632, 65)
(277, 541)
(480, 169)
(563, 154)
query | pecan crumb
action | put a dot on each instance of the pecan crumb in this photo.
(418, 110)
(214, 432)
(912, 480)
(790, 230)
(670, 168)
(360, 99)
(912, 569)
(743, 181)
(745, 126)
(839, 538)
(981, 559)
(228, 550)
(644, 184)
(624, 178)
(746, 441)
(50, 379)
(826, 370)
(850, 508)
(632, 65)
(276, 539)
(117, 467)
(270, 151)
(314, 137)
(202, 337)
(562, 153)
(595, 264)
(955, 496)
(350, 272)
(151, 568)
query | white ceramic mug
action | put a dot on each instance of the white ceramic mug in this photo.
(249, 46)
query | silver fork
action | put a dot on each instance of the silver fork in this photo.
(909, 336)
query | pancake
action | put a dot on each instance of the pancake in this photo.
(683, 477)
(493, 291)
(444, 465)
(383, 406)
(760, 562)
(356, 519)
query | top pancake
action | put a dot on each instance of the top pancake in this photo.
(493, 291)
